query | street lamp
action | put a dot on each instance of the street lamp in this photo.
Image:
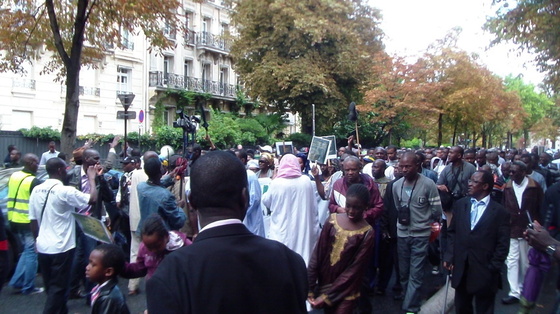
(126, 101)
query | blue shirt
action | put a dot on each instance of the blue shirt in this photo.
(156, 199)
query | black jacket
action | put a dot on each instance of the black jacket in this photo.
(228, 269)
(478, 255)
(110, 300)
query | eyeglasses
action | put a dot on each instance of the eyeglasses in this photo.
(263, 161)
(474, 181)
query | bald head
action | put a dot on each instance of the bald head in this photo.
(30, 163)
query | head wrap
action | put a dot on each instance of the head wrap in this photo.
(268, 158)
(289, 167)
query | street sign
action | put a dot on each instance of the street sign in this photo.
(141, 116)
(131, 115)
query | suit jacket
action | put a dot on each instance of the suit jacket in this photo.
(478, 254)
(228, 269)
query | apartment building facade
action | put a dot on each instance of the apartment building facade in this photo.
(200, 62)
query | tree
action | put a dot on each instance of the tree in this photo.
(535, 27)
(538, 107)
(295, 53)
(63, 28)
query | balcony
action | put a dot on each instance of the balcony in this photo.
(23, 83)
(190, 38)
(159, 79)
(206, 40)
(84, 91)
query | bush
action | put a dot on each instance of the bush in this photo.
(48, 133)
(300, 139)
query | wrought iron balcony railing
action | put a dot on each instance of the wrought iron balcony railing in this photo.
(195, 84)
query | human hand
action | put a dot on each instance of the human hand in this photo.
(341, 210)
(181, 203)
(443, 188)
(448, 266)
(92, 171)
(538, 237)
(115, 141)
(315, 171)
(317, 303)
(350, 140)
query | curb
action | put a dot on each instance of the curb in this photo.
(437, 303)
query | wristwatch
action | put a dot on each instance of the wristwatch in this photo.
(551, 249)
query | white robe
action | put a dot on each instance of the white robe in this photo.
(293, 218)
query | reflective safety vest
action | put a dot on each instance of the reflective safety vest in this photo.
(19, 189)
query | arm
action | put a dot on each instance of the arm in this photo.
(502, 246)
(92, 172)
(375, 209)
(34, 228)
(318, 183)
(137, 269)
(171, 213)
(334, 207)
(540, 239)
(435, 202)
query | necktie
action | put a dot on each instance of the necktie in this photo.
(95, 293)
(474, 211)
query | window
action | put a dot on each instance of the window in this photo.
(224, 81)
(126, 39)
(167, 66)
(206, 77)
(205, 40)
(123, 80)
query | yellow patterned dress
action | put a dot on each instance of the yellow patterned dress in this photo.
(338, 265)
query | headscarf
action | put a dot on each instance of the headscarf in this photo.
(289, 167)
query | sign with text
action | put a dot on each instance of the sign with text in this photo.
(319, 149)
(93, 228)
(130, 115)
(332, 147)
(284, 147)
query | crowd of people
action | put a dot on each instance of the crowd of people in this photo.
(254, 232)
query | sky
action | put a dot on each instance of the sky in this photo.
(410, 26)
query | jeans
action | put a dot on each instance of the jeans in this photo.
(55, 269)
(84, 246)
(413, 256)
(24, 275)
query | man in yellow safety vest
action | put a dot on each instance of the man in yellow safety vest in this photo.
(20, 185)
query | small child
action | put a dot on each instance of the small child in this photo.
(106, 262)
(157, 242)
(340, 258)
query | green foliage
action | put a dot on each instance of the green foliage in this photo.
(144, 140)
(295, 53)
(300, 139)
(167, 135)
(182, 99)
(47, 133)
(413, 143)
(536, 105)
(533, 26)
(99, 138)
(272, 123)
(252, 132)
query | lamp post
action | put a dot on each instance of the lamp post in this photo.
(126, 101)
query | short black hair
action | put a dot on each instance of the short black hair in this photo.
(113, 257)
(152, 167)
(154, 225)
(360, 191)
(53, 165)
(470, 151)
(241, 153)
(217, 180)
(461, 150)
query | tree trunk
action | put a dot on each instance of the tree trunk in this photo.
(484, 139)
(72, 105)
(440, 130)
(454, 133)
(474, 140)
(526, 138)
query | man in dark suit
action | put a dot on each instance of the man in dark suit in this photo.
(227, 269)
(478, 246)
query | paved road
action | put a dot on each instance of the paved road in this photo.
(12, 303)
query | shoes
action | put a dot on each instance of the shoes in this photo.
(435, 270)
(510, 300)
(34, 291)
(134, 292)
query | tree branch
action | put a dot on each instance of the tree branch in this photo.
(56, 32)
(34, 27)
